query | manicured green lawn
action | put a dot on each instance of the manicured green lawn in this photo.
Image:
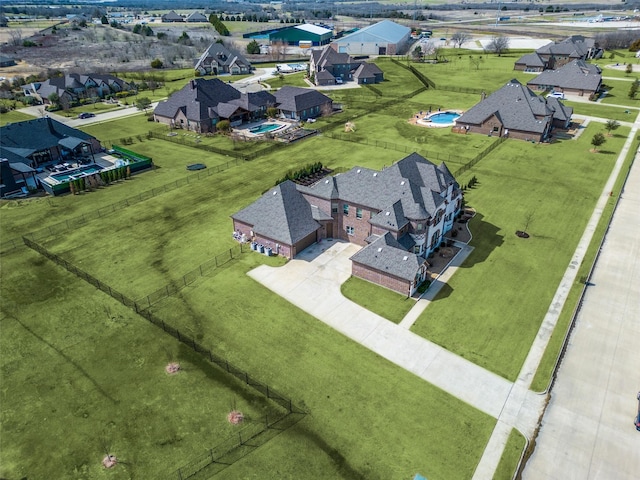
(494, 325)
(382, 301)
(601, 110)
(14, 116)
(293, 79)
(511, 456)
(83, 375)
(618, 93)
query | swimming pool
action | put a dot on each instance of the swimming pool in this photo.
(87, 169)
(265, 127)
(443, 117)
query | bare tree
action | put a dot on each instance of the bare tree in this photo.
(459, 38)
(475, 61)
(498, 45)
(278, 50)
(15, 37)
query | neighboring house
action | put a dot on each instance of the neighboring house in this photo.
(577, 77)
(327, 66)
(6, 61)
(382, 38)
(556, 54)
(202, 103)
(44, 140)
(197, 17)
(171, 17)
(74, 86)
(516, 111)
(302, 103)
(398, 215)
(219, 59)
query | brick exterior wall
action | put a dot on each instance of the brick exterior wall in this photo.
(379, 278)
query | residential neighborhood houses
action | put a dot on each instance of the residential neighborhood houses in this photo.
(399, 215)
(328, 67)
(70, 87)
(556, 54)
(577, 77)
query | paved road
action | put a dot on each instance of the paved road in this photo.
(587, 431)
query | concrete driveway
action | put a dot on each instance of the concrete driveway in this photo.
(312, 282)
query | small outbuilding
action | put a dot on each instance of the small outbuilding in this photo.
(382, 38)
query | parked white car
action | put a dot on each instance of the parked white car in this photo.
(556, 95)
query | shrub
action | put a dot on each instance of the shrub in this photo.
(156, 63)
(223, 126)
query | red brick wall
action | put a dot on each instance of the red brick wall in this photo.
(397, 284)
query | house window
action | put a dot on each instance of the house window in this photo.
(358, 213)
(345, 209)
(419, 227)
(334, 208)
(350, 230)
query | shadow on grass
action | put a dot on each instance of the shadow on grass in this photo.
(444, 292)
(485, 240)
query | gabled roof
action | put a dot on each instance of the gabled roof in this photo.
(560, 111)
(515, 105)
(296, 99)
(324, 75)
(387, 255)
(367, 70)
(574, 75)
(172, 15)
(282, 214)
(328, 57)
(196, 98)
(316, 29)
(410, 189)
(196, 17)
(575, 47)
(385, 31)
(222, 55)
(37, 134)
(531, 60)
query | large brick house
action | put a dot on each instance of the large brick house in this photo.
(517, 112)
(219, 59)
(74, 86)
(398, 215)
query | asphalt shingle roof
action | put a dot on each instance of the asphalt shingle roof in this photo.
(387, 255)
(578, 75)
(222, 55)
(37, 134)
(282, 214)
(296, 99)
(517, 107)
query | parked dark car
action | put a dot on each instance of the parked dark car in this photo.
(86, 115)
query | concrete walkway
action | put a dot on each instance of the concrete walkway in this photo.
(312, 282)
(587, 431)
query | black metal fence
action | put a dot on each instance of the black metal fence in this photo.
(439, 156)
(66, 225)
(221, 362)
(479, 157)
(190, 277)
(246, 156)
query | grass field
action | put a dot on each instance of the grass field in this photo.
(514, 182)
(510, 456)
(13, 116)
(386, 303)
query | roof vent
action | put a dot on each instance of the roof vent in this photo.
(379, 249)
(358, 171)
(405, 258)
(402, 182)
(326, 181)
(375, 174)
(275, 192)
(387, 213)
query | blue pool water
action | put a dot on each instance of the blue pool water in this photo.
(63, 177)
(444, 117)
(265, 127)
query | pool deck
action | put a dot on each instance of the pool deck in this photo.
(245, 129)
(419, 118)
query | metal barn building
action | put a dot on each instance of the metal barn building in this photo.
(292, 35)
(382, 38)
